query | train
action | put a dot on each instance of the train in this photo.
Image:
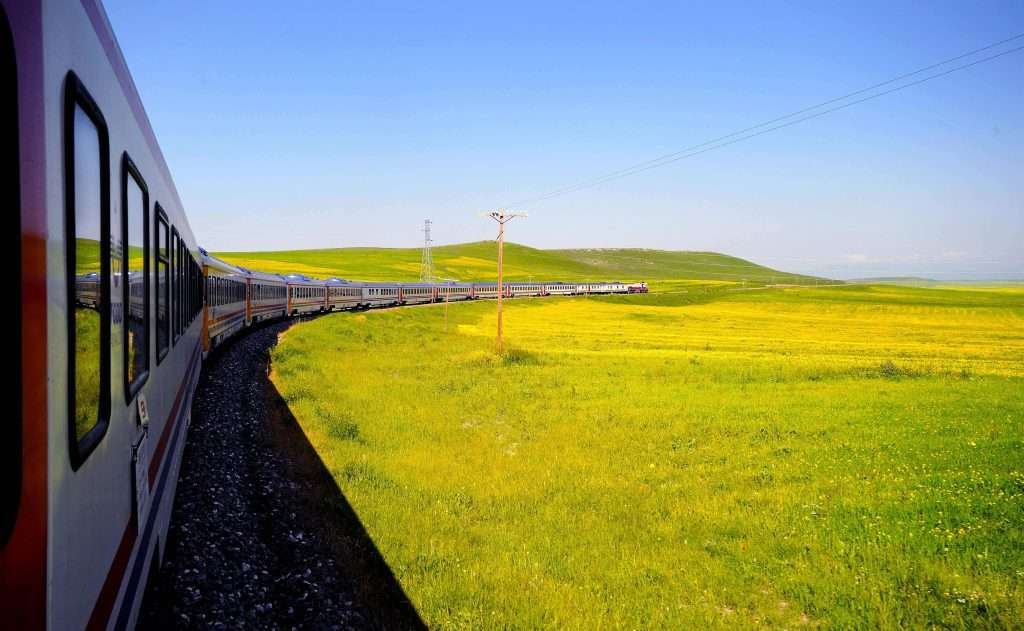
(118, 309)
(237, 297)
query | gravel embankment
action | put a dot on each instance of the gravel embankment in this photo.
(244, 550)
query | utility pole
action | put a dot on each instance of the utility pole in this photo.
(426, 258)
(502, 217)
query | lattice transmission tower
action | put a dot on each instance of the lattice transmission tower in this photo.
(426, 259)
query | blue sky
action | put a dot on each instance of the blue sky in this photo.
(293, 125)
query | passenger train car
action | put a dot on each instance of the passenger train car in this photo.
(381, 294)
(342, 294)
(305, 295)
(267, 297)
(226, 309)
(418, 293)
(107, 329)
(118, 309)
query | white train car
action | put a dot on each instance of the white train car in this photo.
(87, 289)
(224, 313)
(305, 295)
(596, 288)
(381, 294)
(417, 293)
(488, 290)
(343, 294)
(453, 291)
(559, 289)
(609, 288)
(526, 289)
(266, 297)
(98, 413)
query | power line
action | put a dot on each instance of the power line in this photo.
(741, 135)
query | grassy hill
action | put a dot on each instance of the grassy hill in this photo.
(477, 261)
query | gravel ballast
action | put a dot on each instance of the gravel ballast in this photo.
(248, 545)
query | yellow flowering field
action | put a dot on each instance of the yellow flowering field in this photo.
(708, 456)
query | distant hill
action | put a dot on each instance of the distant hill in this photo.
(477, 261)
(915, 281)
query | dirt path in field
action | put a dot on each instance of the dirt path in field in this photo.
(260, 535)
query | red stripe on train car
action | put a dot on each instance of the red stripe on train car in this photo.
(233, 314)
(266, 309)
(225, 323)
(23, 557)
(115, 575)
(112, 584)
(154, 464)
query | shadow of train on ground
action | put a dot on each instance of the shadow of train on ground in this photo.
(261, 536)
(336, 520)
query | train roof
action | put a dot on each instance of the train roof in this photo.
(345, 282)
(263, 275)
(212, 261)
(299, 279)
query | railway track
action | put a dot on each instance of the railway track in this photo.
(256, 539)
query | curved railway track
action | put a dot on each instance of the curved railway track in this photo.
(260, 537)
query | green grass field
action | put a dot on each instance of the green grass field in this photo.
(477, 262)
(848, 457)
(87, 370)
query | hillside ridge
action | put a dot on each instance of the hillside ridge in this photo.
(476, 261)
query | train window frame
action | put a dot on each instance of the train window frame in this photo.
(187, 275)
(180, 311)
(164, 289)
(129, 170)
(76, 97)
(174, 253)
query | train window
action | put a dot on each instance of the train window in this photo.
(10, 189)
(198, 290)
(87, 221)
(189, 290)
(179, 291)
(135, 201)
(182, 287)
(163, 330)
(172, 303)
(180, 310)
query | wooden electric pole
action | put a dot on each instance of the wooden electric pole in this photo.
(502, 218)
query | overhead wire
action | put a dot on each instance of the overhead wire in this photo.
(749, 132)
